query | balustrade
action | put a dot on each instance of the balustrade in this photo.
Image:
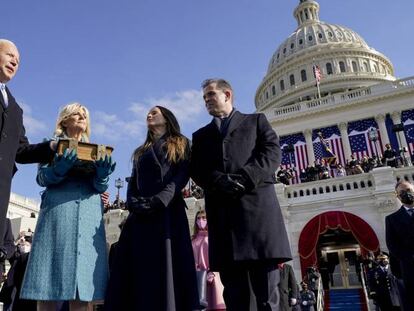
(345, 97)
(340, 187)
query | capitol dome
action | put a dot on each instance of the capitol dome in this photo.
(344, 58)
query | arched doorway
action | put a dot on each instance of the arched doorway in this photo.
(339, 238)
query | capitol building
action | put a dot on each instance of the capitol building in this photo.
(358, 107)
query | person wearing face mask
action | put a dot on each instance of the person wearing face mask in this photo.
(10, 292)
(382, 285)
(209, 283)
(399, 233)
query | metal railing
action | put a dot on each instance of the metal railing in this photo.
(320, 301)
(364, 287)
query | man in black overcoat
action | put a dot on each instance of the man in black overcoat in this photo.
(288, 288)
(8, 246)
(234, 159)
(399, 233)
(14, 145)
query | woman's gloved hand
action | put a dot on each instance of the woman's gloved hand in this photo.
(104, 167)
(63, 163)
(145, 205)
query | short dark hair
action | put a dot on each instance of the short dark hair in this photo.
(400, 182)
(220, 84)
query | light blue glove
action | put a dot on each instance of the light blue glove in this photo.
(62, 164)
(104, 167)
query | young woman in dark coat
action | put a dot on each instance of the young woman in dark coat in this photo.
(154, 266)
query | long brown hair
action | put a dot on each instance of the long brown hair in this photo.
(176, 144)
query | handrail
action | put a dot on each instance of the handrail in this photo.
(362, 276)
(320, 301)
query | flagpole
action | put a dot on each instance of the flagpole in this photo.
(317, 78)
(319, 90)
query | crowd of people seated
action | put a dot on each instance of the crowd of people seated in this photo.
(321, 169)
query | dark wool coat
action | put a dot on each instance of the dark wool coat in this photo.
(14, 147)
(399, 234)
(250, 227)
(154, 265)
(287, 287)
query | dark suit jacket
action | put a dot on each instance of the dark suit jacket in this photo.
(14, 147)
(399, 232)
(250, 227)
(8, 245)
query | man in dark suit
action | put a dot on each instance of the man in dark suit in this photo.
(399, 231)
(8, 246)
(14, 145)
(234, 159)
(383, 288)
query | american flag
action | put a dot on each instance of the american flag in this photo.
(332, 137)
(361, 145)
(408, 121)
(299, 158)
(317, 73)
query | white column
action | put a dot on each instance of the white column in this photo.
(309, 145)
(343, 128)
(396, 119)
(383, 129)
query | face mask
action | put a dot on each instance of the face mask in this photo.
(201, 223)
(24, 248)
(407, 197)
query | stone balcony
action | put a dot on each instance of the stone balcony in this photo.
(377, 183)
(385, 89)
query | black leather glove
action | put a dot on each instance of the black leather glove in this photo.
(3, 254)
(230, 185)
(144, 205)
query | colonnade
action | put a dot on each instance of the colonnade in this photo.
(343, 128)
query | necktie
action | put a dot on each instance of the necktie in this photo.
(411, 212)
(4, 93)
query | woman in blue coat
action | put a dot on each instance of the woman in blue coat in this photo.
(154, 265)
(68, 260)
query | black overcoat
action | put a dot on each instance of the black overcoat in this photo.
(14, 147)
(154, 266)
(399, 234)
(288, 287)
(250, 227)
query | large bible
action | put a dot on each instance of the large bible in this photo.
(87, 154)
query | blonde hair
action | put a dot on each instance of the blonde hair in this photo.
(65, 113)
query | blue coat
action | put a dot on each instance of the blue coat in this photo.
(69, 253)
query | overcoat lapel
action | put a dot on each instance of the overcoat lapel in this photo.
(404, 217)
(212, 126)
(235, 121)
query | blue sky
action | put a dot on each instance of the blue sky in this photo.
(119, 58)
